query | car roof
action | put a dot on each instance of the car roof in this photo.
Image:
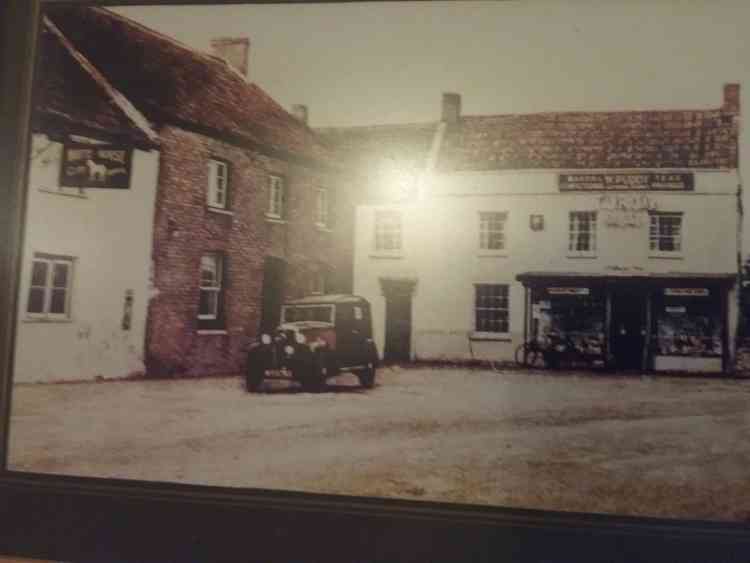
(331, 299)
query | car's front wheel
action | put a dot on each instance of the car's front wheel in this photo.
(254, 377)
(367, 376)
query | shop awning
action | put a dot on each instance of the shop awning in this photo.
(541, 278)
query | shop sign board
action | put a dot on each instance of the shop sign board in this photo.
(568, 290)
(627, 181)
(95, 166)
(686, 291)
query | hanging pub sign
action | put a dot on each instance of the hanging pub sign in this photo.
(686, 291)
(568, 290)
(620, 181)
(95, 166)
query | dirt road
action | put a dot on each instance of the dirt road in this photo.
(672, 447)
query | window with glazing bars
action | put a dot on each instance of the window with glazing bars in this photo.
(49, 291)
(491, 308)
(492, 230)
(665, 232)
(582, 233)
(277, 197)
(388, 231)
(211, 286)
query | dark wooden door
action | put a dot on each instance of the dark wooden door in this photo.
(274, 276)
(628, 332)
(397, 327)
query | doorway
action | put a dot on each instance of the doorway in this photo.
(398, 297)
(628, 330)
(274, 277)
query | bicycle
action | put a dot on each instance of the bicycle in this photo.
(531, 354)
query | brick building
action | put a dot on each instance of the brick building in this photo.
(251, 206)
(619, 230)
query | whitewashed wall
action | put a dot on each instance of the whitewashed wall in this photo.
(109, 233)
(441, 249)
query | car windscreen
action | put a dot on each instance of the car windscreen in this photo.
(322, 313)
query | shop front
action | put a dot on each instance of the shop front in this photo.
(644, 322)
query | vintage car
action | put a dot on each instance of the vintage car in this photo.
(319, 337)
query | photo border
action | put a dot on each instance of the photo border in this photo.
(81, 518)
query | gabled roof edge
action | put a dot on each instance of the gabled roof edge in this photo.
(118, 99)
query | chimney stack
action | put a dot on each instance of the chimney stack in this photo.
(234, 50)
(451, 108)
(300, 112)
(731, 98)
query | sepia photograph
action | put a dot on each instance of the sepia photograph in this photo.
(475, 253)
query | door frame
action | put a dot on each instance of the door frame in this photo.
(403, 288)
(643, 296)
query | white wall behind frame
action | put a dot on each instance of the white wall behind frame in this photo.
(109, 234)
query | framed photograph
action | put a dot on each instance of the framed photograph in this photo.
(269, 263)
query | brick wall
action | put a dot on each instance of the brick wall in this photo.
(185, 229)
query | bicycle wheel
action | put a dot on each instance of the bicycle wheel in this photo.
(535, 359)
(522, 354)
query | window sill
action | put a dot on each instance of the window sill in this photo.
(493, 336)
(219, 210)
(493, 255)
(387, 255)
(275, 219)
(582, 256)
(667, 256)
(46, 320)
(211, 332)
(64, 194)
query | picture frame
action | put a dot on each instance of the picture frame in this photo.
(99, 519)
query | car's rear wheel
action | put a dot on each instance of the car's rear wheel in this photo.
(367, 376)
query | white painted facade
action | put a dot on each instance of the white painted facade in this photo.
(441, 250)
(108, 235)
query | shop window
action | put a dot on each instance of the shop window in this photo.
(50, 287)
(582, 233)
(570, 313)
(218, 184)
(665, 233)
(491, 308)
(388, 231)
(492, 230)
(688, 325)
(276, 197)
(211, 287)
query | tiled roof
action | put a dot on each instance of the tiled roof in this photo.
(72, 97)
(706, 138)
(589, 140)
(171, 83)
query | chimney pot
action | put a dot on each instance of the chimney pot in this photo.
(731, 98)
(234, 50)
(451, 107)
(300, 112)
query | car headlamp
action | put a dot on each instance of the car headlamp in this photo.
(289, 350)
(265, 338)
(300, 338)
